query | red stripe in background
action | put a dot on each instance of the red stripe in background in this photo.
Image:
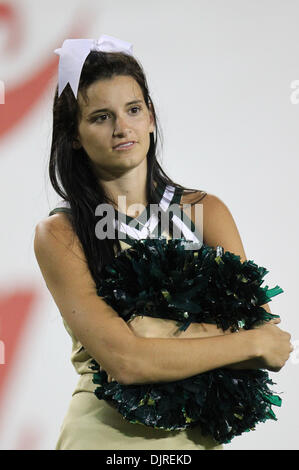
(24, 96)
(15, 311)
(11, 15)
(19, 100)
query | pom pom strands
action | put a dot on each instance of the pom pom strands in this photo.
(203, 285)
(211, 285)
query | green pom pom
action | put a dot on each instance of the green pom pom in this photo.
(203, 285)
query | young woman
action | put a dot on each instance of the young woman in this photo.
(90, 166)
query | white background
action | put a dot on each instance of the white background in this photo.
(220, 76)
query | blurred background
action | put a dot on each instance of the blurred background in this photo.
(224, 77)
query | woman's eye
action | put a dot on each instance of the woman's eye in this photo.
(136, 107)
(99, 118)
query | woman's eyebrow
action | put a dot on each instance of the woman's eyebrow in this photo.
(106, 109)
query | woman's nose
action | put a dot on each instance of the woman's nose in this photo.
(121, 125)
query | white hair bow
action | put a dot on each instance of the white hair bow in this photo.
(74, 52)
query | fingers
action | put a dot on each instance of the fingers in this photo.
(275, 320)
(109, 378)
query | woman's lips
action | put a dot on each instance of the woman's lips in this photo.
(125, 147)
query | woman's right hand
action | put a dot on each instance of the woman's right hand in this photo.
(274, 345)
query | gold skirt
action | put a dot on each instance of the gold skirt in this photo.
(93, 424)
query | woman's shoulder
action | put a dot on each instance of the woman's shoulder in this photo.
(56, 243)
(213, 206)
(214, 216)
(217, 223)
(207, 199)
(194, 196)
(58, 218)
(57, 225)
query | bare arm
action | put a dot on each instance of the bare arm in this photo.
(149, 327)
(166, 360)
(95, 324)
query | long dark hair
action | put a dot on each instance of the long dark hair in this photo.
(70, 171)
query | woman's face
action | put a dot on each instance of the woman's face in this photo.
(108, 119)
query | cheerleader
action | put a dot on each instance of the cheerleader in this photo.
(104, 156)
